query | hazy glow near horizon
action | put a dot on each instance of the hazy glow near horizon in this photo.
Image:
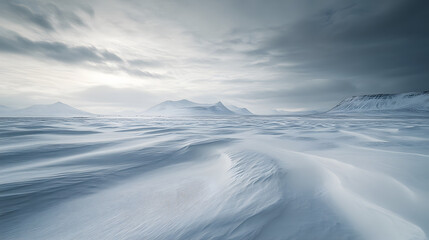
(112, 56)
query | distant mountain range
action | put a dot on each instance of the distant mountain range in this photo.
(413, 102)
(58, 109)
(187, 108)
(167, 108)
(404, 102)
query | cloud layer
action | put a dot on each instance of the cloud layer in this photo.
(259, 54)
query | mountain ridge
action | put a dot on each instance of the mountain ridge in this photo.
(185, 107)
(57, 109)
(411, 101)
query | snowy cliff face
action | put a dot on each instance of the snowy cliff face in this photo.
(188, 108)
(414, 101)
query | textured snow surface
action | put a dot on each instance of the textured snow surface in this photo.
(414, 101)
(233, 177)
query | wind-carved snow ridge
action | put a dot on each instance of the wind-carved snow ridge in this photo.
(413, 101)
(220, 194)
(251, 198)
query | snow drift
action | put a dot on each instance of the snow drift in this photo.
(413, 101)
(264, 177)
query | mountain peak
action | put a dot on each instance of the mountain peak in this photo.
(57, 109)
(60, 104)
(185, 107)
(182, 101)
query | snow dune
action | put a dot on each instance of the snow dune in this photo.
(313, 177)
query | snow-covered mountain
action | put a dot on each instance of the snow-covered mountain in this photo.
(58, 109)
(239, 110)
(413, 101)
(187, 108)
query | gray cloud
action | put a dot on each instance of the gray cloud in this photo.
(322, 94)
(71, 54)
(56, 50)
(46, 16)
(25, 13)
(146, 63)
(140, 73)
(282, 53)
(375, 46)
(67, 18)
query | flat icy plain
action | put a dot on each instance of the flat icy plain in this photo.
(258, 177)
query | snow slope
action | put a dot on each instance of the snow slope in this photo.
(413, 101)
(58, 109)
(188, 108)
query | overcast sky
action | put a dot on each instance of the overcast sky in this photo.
(108, 56)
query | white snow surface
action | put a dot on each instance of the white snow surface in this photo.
(57, 109)
(413, 101)
(231, 177)
(187, 108)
